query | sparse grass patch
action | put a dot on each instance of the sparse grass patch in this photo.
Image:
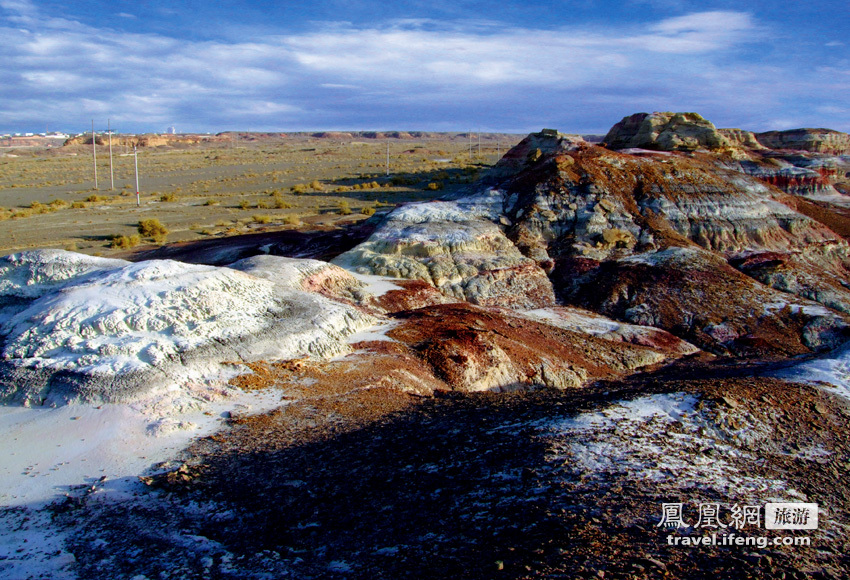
(279, 203)
(79, 205)
(299, 189)
(211, 202)
(292, 219)
(262, 219)
(367, 210)
(344, 208)
(245, 204)
(434, 186)
(168, 197)
(95, 198)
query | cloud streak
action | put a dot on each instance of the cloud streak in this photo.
(416, 73)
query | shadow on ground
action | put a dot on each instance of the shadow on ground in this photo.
(454, 487)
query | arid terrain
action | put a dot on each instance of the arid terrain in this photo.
(224, 185)
(517, 372)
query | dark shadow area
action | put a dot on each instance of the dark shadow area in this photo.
(458, 487)
(321, 245)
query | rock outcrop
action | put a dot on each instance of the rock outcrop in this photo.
(741, 138)
(665, 132)
(813, 140)
(699, 297)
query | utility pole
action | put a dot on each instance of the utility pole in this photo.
(388, 157)
(479, 144)
(111, 173)
(136, 162)
(94, 152)
(470, 145)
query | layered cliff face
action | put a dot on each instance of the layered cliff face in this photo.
(639, 236)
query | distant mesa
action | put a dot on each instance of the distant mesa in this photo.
(333, 135)
(813, 140)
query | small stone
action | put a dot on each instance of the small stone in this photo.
(500, 565)
(732, 403)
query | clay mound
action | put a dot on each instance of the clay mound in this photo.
(304, 274)
(475, 349)
(120, 333)
(456, 247)
(587, 322)
(794, 274)
(697, 296)
(665, 132)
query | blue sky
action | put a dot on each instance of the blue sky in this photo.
(578, 66)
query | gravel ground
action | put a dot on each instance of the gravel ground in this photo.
(376, 483)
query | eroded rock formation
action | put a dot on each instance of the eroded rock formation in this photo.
(665, 132)
(639, 236)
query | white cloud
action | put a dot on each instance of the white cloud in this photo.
(343, 72)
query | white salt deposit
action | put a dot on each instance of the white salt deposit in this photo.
(831, 371)
(32, 274)
(135, 327)
(44, 451)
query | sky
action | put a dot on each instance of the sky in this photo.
(434, 65)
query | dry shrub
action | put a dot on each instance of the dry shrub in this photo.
(125, 242)
(152, 228)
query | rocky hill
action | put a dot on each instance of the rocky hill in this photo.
(641, 237)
